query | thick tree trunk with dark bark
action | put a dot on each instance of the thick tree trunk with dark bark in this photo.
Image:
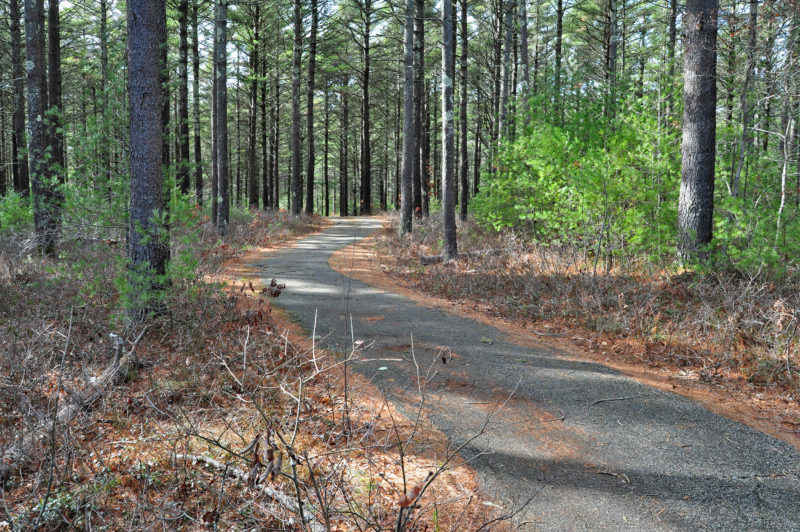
(297, 180)
(406, 200)
(450, 250)
(45, 201)
(147, 252)
(696, 204)
(221, 112)
(19, 150)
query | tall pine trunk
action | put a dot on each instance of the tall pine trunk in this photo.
(297, 181)
(252, 143)
(365, 203)
(325, 153)
(343, 190)
(58, 163)
(420, 172)
(198, 159)
(406, 201)
(19, 151)
(450, 250)
(182, 155)
(463, 170)
(312, 64)
(221, 113)
(45, 204)
(696, 203)
(147, 252)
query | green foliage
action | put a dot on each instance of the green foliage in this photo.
(611, 188)
(15, 213)
(608, 187)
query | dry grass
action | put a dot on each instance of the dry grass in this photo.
(714, 327)
(220, 367)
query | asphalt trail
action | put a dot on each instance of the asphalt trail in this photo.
(599, 450)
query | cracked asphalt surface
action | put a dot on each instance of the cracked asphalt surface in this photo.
(595, 449)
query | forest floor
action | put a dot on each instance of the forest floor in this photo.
(225, 388)
(676, 332)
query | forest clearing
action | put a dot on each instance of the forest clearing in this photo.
(399, 265)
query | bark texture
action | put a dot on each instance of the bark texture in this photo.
(406, 201)
(221, 113)
(312, 65)
(45, 204)
(450, 250)
(297, 180)
(696, 203)
(148, 254)
(19, 152)
(182, 162)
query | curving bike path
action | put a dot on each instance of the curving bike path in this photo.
(595, 449)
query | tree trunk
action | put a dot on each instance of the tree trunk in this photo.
(105, 162)
(214, 173)
(276, 122)
(45, 202)
(409, 127)
(165, 112)
(182, 162)
(463, 170)
(3, 160)
(505, 76)
(476, 165)
(19, 151)
(147, 252)
(526, 68)
(297, 180)
(58, 166)
(237, 151)
(365, 203)
(221, 113)
(450, 250)
(559, 39)
(696, 203)
(745, 141)
(325, 153)
(198, 160)
(611, 60)
(266, 150)
(343, 192)
(312, 59)
(419, 100)
(252, 143)
(672, 43)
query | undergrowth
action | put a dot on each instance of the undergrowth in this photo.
(216, 374)
(713, 324)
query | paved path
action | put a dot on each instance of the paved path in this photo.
(599, 450)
